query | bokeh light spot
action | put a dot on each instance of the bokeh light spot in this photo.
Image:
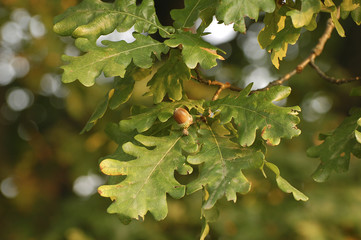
(8, 188)
(7, 73)
(85, 186)
(11, 33)
(22, 17)
(314, 106)
(21, 66)
(36, 27)
(19, 99)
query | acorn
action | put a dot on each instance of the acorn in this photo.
(182, 117)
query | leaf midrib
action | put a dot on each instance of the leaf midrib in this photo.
(155, 167)
(117, 54)
(126, 13)
(194, 7)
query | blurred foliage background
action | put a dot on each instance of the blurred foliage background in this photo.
(49, 172)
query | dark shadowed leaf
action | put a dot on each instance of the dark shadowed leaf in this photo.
(336, 149)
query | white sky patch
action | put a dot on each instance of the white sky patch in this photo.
(219, 33)
(36, 27)
(116, 36)
(7, 73)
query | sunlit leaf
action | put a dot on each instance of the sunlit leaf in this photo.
(276, 35)
(112, 59)
(92, 18)
(284, 185)
(353, 6)
(303, 17)
(149, 177)
(339, 28)
(274, 23)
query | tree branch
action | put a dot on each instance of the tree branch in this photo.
(316, 51)
(330, 78)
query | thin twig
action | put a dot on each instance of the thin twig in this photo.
(332, 79)
(222, 86)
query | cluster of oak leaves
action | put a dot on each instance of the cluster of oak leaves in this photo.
(220, 138)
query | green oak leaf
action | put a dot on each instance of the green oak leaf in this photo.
(337, 147)
(284, 185)
(195, 50)
(303, 17)
(274, 22)
(258, 112)
(208, 215)
(119, 94)
(276, 35)
(92, 18)
(113, 132)
(169, 78)
(353, 6)
(186, 17)
(162, 111)
(149, 176)
(112, 59)
(339, 28)
(355, 91)
(234, 11)
(207, 17)
(222, 164)
(356, 15)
